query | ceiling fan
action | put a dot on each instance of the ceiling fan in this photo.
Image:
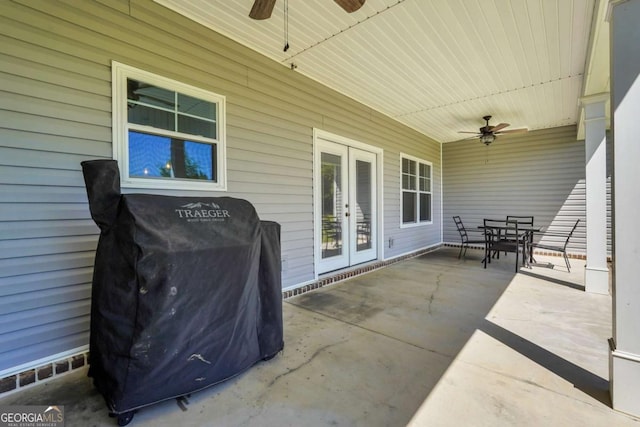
(262, 8)
(487, 134)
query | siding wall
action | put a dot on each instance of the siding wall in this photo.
(540, 173)
(55, 111)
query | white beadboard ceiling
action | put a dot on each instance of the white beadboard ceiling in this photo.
(437, 66)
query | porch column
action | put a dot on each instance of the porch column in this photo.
(624, 361)
(596, 273)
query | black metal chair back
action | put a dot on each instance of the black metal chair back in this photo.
(522, 220)
(464, 237)
(566, 242)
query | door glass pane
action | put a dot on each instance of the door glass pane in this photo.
(332, 204)
(363, 205)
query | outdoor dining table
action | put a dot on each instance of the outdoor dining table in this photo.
(527, 234)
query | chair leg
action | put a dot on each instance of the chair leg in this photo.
(486, 256)
(460, 253)
(566, 260)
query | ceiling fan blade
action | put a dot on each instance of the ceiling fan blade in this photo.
(498, 127)
(262, 9)
(350, 5)
(464, 131)
(521, 130)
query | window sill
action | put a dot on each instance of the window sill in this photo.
(416, 224)
(159, 184)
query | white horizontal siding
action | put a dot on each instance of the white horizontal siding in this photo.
(12, 230)
(45, 263)
(43, 298)
(43, 211)
(53, 143)
(44, 246)
(13, 285)
(27, 319)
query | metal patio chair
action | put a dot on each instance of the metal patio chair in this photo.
(496, 240)
(464, 237)
(558, 248)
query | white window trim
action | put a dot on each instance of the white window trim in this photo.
(418, 223)
(119, 74)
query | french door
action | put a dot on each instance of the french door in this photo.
(346, 205)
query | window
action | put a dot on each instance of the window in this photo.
(416, 184)
(167, 134)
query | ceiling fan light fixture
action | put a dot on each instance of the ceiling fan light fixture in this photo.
(487, 138)
(487, 134)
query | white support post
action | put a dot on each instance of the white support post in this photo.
(624, 363)
(596, 272)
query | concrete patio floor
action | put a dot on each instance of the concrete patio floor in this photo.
(430, 341)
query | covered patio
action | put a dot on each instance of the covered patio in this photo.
(427, 338)
(432, 340)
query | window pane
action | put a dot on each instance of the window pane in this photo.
(199, 160)
(405, 182)
(425, 207)
(408, 182)
(408, 166)
(405, 165)
(150, 116)
(408, 207)
(195, 126)
(148, 94)
(425, 170)
(425, 177)
(423, 184)
(196, 107)
(153, 156)
(148, 154)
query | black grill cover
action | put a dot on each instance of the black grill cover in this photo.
(186, 291)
